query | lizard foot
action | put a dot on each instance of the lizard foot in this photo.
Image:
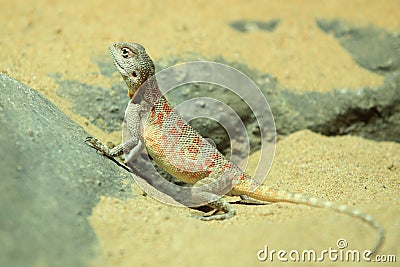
(220, 205)
(96, 144)
(213, 217)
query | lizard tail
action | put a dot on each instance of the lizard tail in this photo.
(266, 193)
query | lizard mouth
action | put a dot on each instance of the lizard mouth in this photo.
(120, 69)
(113, 52)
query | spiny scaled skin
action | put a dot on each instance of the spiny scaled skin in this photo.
(181, 151)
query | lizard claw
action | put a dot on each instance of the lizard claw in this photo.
(91, 141)
(94, 143)
(100, 148)
(214, 216)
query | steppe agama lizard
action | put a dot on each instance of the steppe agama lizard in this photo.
(185, 154)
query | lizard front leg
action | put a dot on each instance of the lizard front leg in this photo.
(134, 146)
(115, 151)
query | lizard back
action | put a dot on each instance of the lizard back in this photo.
(181, 150)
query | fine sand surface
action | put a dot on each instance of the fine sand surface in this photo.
(348, 170)
(41, 38)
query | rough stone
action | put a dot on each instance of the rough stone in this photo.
(50, 182)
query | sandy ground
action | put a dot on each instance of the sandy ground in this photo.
(44, 37)
(347, 170)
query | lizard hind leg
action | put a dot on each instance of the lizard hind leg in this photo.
(219, 205)
(204, 191)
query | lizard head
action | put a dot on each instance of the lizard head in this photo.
(133, 63)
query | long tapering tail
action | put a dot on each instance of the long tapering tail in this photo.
(265, 193)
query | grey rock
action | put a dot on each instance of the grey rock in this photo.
(50, 182)
(104, 107)
(373, 48)
(368, 112)
(254, 25)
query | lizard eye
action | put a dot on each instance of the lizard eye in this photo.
(125, 51)
(134, 74)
